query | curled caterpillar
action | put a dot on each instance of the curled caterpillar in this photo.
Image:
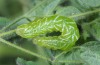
(39, 27)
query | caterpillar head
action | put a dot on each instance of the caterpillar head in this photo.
(26, 31)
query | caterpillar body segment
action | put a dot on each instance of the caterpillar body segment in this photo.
(38, 29)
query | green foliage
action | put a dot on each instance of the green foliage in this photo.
(86, 14)
(43, 8)
(95, 28)
(87, 54)
(90, 53)
(89, 4)
(92, 28)
(68, 11)
(50, 8)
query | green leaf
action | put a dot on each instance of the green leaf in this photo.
(90, 53)
(85, 33)
(89, 3)
(39, 9)
(50, 7)
(71, 58)
(43, 51)
(21, 61)
(68, 11)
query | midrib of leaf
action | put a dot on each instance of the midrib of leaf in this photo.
(7, 33)
(15, 21)
(36, 7)
(86, 13)
(70, 61)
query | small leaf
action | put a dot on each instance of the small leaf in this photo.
(85, 33)
(20, 61)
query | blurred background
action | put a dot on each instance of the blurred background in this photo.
(13, 8)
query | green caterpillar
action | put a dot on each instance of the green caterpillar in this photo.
(39, 27)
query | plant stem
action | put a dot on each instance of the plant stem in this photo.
(86, 13)
(70, 61)
(7, 33)
(34, 8)
(24, 50)
(15, 21)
